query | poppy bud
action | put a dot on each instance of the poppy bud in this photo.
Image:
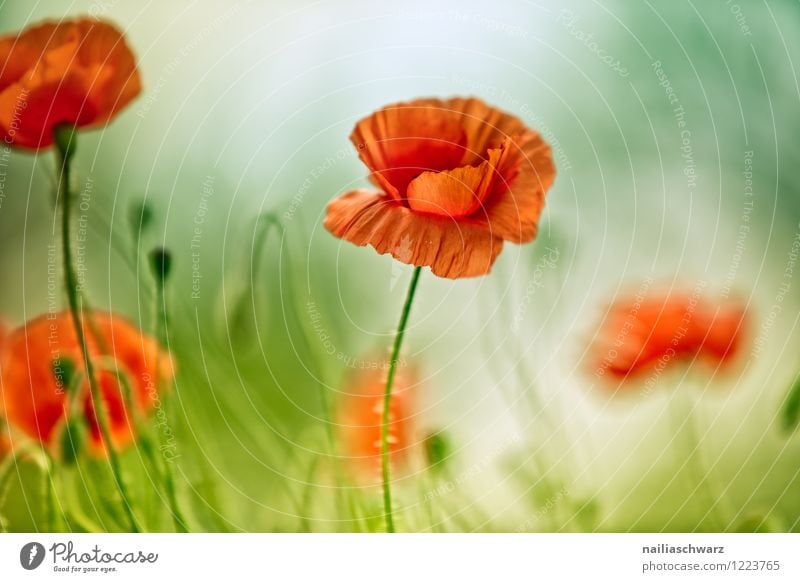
(160, 264)
(73, 438)
(141, 217)
(65, 141)
(437, 450)
(791, 407)
(64, 373)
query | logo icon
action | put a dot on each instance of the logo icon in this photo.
(31, 555)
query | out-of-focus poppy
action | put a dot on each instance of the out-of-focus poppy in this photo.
(457, 178)
(42, 366)
(642, 336)
(71, 72)
(5, 442)
(360, 410)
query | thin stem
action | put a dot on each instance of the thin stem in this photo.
(51, 501)
(387, 400)
(57, 516)
(178, 518)
(65, 141)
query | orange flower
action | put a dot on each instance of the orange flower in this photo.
(71, 72)
(360, 411)
(457, 177)
(5, 442)
(35, 363)
(643, 336)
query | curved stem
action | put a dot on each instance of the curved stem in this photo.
(65, 142)
(387, 400)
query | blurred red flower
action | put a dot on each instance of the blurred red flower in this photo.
(71, 72)
(5, 442)
(644, 335)
(359, 417)
(457, 178)
(40, 359)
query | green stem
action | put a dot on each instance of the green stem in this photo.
(65, 142)
(178, 518)
(58, 513)
(387, 400)
(48, 472)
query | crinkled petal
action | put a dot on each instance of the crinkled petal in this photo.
(401, 141)
(75, 72)
(34, 401)
(454, 193)
(451, 248)
(513, 210)
(486, 127)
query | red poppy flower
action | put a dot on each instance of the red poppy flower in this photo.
(40, 357)
(5, 442)
(642, 336)
(73, 72)
(457, 178)
(360, 413)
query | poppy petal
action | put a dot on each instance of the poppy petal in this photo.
(514, 208)
(399, 142)
(451, 249)
(642, 336)
(34, 400)
(486, 127)
(74, 72)
(454, 193)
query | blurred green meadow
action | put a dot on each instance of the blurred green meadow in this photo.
(662, 118)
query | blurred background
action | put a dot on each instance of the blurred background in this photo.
(674, 131)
